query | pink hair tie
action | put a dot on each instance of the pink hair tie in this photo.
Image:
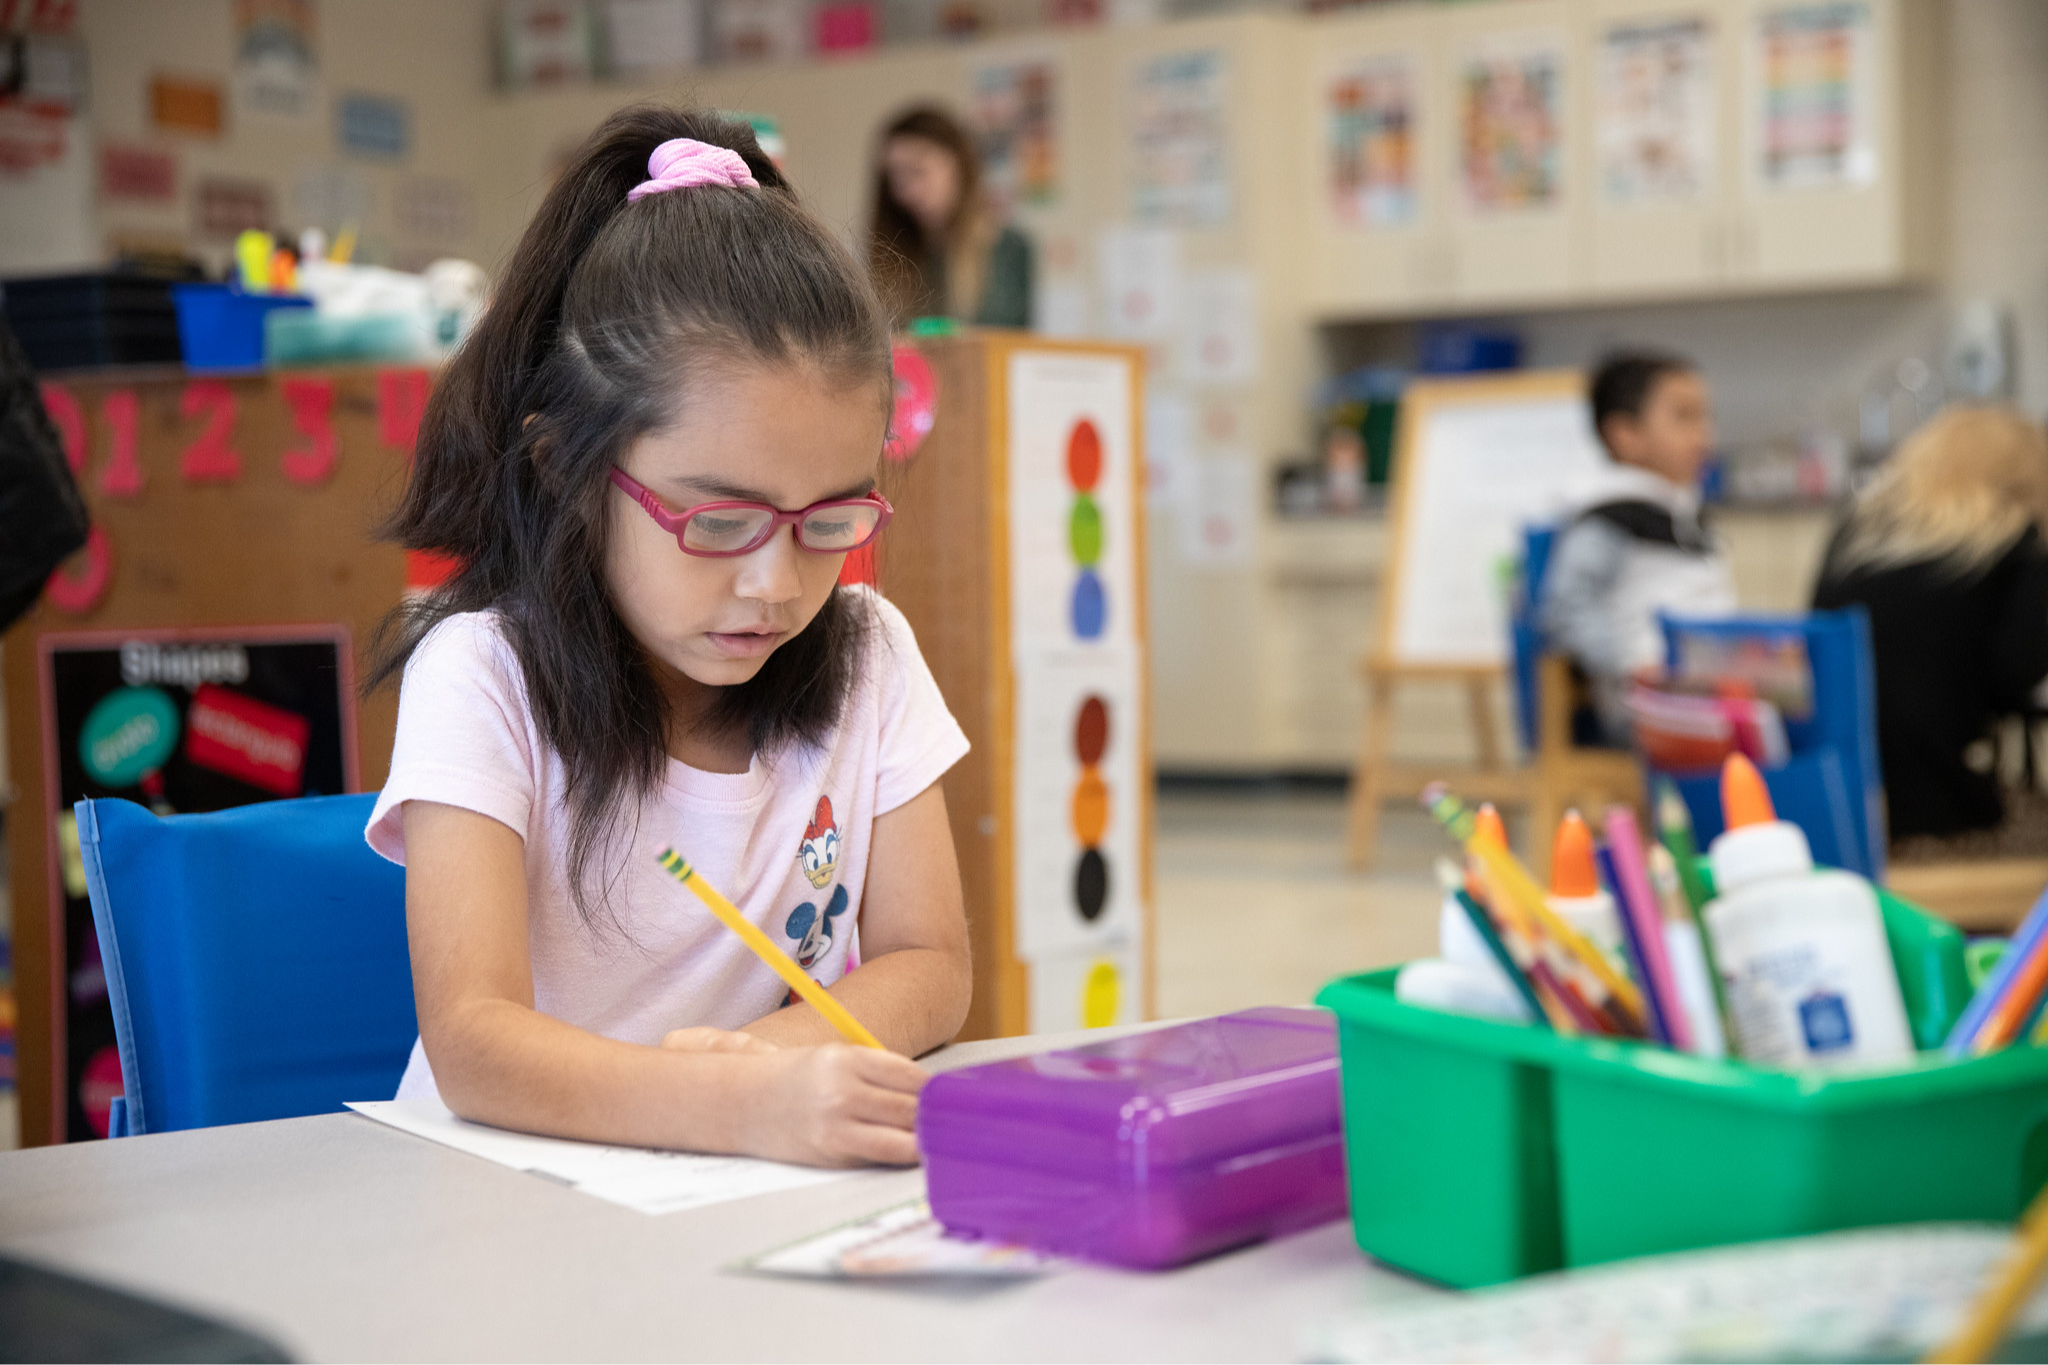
(683, 162)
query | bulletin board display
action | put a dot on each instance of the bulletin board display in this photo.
(222, 507)
(1076, 629)
(1477, 461)
(1017, 554)
(179, 721)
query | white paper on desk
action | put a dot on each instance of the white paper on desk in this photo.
(637, 1177)
(903, 1241)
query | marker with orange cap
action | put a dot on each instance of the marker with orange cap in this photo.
(1802, 951)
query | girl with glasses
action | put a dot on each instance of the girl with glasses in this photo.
(651, 459)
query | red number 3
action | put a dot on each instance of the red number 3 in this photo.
(210, 458)
(312, 405)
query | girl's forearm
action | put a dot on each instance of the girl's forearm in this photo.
(501, 1063)
(913, 999)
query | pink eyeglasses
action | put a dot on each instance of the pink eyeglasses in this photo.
(720, 530)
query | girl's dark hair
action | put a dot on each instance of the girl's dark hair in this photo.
(897, 246)
(607, 314)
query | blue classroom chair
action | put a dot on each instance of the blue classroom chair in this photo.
(255, 958)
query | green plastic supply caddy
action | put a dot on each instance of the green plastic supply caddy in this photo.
(1482, 1151)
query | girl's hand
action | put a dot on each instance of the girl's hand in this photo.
(835, 1105)
(715, 1040)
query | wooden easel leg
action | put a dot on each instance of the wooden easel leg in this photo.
(1479, 692)
(1362, 821)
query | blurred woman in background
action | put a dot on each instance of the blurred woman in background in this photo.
(936, 246)
(1946, 550)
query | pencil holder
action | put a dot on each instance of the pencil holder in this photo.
(1479, 1152)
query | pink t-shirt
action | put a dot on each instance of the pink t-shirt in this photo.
(787, 840)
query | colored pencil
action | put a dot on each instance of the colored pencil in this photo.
(1509, 876)
(1995, 986)
(1994, 1312)
(765, 948)
(1501, 956)
(1632, 940)
(1638, 902)
(1674, 830)
(2012, 1010)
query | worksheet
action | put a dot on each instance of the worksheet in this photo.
(636, 1177)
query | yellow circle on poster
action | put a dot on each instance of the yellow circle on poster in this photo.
(1099, 996)
(1091, 808)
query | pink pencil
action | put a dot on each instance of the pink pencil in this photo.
(1639, 903)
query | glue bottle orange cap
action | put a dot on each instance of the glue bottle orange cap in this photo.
(1572, 872)
(1745, 800)
(1487, 824)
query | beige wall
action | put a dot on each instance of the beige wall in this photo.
(1237, 664)
(435, 56)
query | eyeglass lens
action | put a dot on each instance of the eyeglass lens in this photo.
(829, 530)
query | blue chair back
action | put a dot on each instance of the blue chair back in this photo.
(1525, 636)
(1832, 787)
(255, 957)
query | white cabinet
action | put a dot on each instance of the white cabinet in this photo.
(1512, 92)
(1576, 151)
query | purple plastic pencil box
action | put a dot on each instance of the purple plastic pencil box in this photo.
(1148, 1150)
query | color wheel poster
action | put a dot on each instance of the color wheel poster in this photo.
(179, 721)
(1076, 639)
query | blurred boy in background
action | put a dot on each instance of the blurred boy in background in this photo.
(1636, 546)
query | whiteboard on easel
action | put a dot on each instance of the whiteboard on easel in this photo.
(1478, 461)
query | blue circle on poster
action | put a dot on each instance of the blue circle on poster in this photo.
(1089, 610)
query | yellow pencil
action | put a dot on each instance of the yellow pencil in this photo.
(1994, 1312)
(764, 948)
(1516, 883)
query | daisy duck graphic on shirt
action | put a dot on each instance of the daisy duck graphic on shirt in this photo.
(810, 926)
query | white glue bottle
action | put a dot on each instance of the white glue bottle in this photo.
(1575, 892)
(1808, 976)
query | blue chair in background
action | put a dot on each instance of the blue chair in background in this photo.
(1832, 786)
(1563, 772)
(255, 958)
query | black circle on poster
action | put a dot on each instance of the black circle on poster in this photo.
(1091, 884)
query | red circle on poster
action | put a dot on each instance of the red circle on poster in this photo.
(1084, 455)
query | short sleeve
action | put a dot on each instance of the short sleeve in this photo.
(919, 738)
(465, 736)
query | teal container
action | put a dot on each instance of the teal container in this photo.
(312, 338)
(1480, 1151)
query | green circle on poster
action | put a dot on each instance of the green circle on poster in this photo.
(1084, 531)
(131, 732)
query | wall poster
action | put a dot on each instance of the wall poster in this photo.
(1654, 112)
(1015, 107)
(179, 721)
(1371, 111)
(1078, 788)
(1180, 140)
(1511, 126)
(1815, 120)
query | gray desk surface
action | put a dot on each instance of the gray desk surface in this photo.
(343, 1239)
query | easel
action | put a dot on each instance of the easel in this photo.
(1477, 664)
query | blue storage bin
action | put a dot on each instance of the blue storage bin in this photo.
(221, 328)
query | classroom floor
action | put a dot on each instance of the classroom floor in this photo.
(1256, 906)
